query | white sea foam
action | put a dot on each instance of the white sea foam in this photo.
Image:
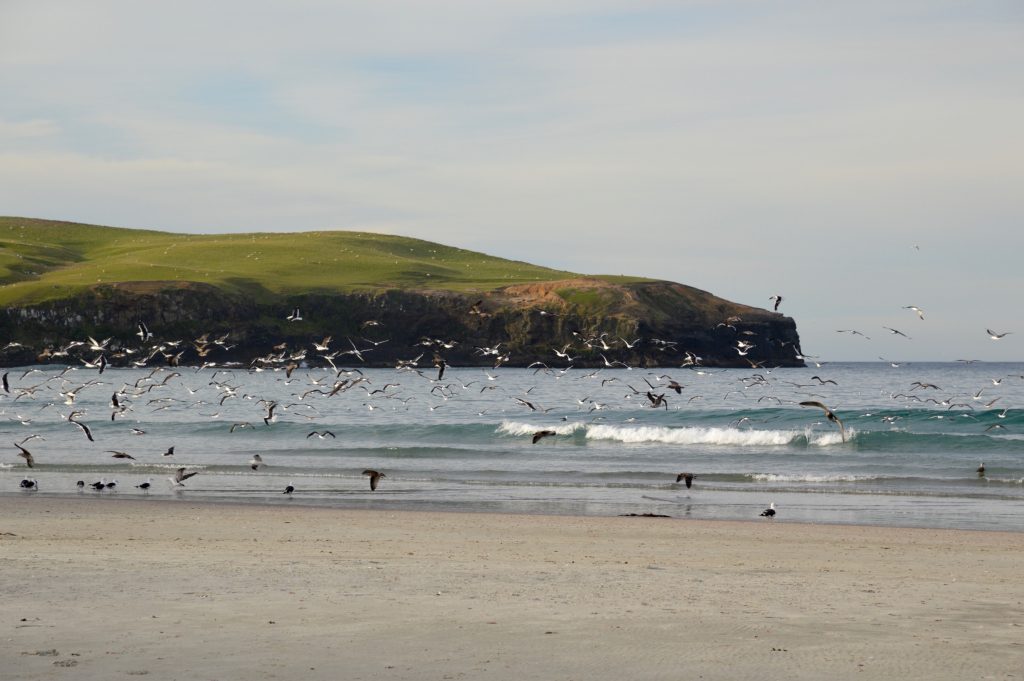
(519, 428)
(711, 436)
(775, 477)
(167, 466)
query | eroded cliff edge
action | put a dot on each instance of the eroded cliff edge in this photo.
(594, 321)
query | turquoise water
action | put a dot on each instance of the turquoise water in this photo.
(464, 443)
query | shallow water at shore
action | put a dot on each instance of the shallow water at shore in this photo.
(464, 444)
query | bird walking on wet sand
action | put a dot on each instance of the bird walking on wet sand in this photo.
(769, 512)
(144, 486)
(289, 489)
(30, 483)
(829, 414)
(374, 478)
(687, 478)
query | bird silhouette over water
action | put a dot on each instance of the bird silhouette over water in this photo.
(687, 478)
(541, 434)
(374, 478)
(829, 414)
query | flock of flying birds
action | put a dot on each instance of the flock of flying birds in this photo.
(342, 380)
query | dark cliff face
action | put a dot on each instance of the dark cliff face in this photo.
(526, 323)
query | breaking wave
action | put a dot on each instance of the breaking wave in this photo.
(714, 436)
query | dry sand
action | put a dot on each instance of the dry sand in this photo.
(109, 589)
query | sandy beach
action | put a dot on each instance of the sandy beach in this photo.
(106, 589)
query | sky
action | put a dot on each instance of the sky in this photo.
(853, 157)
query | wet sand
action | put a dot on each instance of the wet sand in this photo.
(107, 589)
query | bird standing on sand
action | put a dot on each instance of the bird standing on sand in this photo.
(374, 478)
(30, 483)
(770, 511)
(289, 489)
(687, 478)
(144, 486)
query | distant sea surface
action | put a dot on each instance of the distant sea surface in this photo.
(464, 443)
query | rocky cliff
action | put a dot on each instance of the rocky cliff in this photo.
(593, 321)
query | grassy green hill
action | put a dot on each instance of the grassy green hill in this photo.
(43, 260)
(61, 281)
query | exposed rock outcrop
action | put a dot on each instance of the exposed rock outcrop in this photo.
(524, 322)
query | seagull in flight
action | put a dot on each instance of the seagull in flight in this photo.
(320, 434)
(777, 299)
(27, 455)
(541, 434)
(180, 476)
(997, 336)
(374, 478)
(854, 332)
(687, 478)
(896, 332)
(919, 311)
(828, 413)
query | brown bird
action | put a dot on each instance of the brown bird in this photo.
(180, 476)
(27, 455)
(828, 413)
(541, 434)
(657, 400)
(687, 477)
(374, 478)
(120, 455)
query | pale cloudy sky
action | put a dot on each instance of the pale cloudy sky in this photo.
(747, 147)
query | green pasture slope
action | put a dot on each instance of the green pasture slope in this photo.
(44, 260)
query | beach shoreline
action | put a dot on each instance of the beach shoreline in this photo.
(181, 590)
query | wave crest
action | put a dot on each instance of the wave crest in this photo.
(712, 436)
(520, 428)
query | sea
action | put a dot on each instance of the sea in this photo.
(913, 438)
